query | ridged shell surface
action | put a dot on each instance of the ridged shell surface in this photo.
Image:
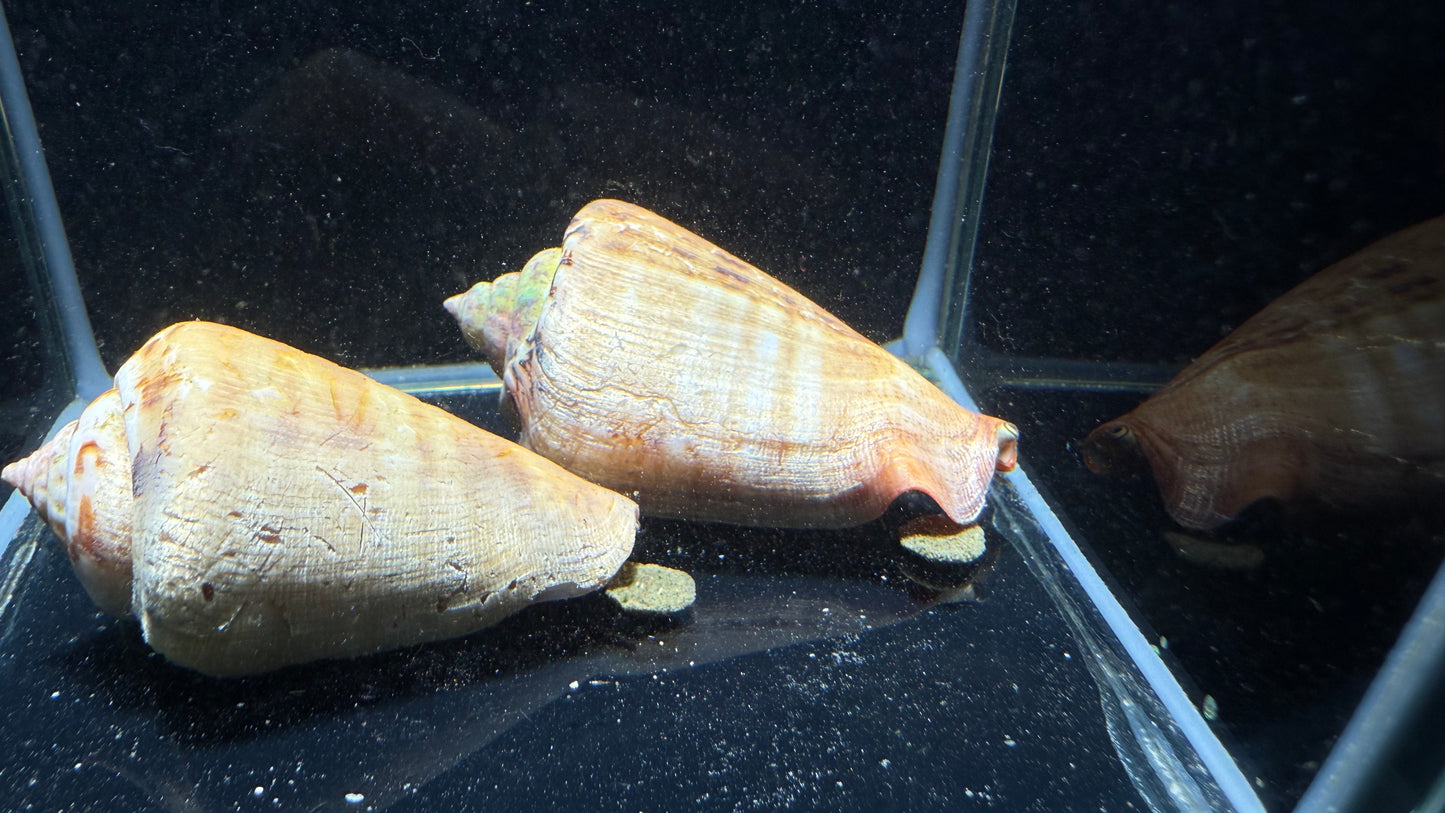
(283, 509)
(649, 360)
(1334, 393)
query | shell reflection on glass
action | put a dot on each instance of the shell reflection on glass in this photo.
(255, 506)
(1334, 394)
(648, 360)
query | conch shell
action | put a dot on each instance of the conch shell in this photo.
(255, 506)
(648, 360)
(1333, 394)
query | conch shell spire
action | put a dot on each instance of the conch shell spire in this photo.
(500, 314)
(79, 481)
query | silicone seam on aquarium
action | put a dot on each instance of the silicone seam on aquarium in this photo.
(1210, 751)
(437, 379)
(962, 170)
(1385, 714)
(80, 348)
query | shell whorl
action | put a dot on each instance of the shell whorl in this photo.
(33, 476)
(498, 317)
(80, 482)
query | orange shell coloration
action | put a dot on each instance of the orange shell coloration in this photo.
(79, 481)
(661, 365)
(1333, 394)
(256, 506)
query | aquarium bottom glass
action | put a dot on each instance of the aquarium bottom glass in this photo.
(814, 671)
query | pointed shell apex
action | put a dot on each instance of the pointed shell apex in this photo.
(498, 317)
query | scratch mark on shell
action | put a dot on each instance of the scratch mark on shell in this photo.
(350, 495)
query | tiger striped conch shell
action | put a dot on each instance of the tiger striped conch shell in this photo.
(1333, 394)
(649, 360)
(255, 506)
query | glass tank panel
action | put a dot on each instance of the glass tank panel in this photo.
(327, 177)
(1159, 175)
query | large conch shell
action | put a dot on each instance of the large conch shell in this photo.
(1333, 394)
(255, 506)
(648, 360)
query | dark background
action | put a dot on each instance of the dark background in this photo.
(326, 175)
(1161, 171)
